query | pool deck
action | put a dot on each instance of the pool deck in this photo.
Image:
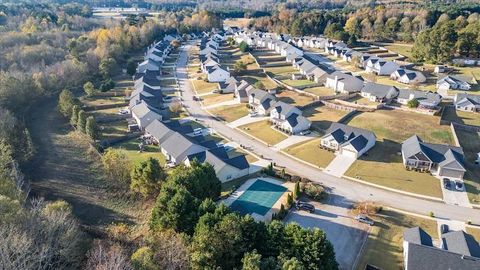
(276, 206)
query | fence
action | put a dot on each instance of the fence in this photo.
(420, 111)
(348, 116)
(107, 143)
(454, 133)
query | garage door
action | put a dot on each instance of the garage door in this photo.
(349, 153)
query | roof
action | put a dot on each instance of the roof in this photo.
(461, 243)
(284, 108)
(177, 144)
(421, 96)
(467, 99)
(380, 91)
(417, 235)
(351, 83)
(452, 80)
(145, 113)
(343, 134)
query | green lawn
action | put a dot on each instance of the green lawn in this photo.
(311, 153)
(203, 87)
(320, 91)
(384, 246)
(132, 151)
(294, 98)
(216, 98)
(400, 48)
(263, 131)
(323, 116)
(230, 113)
(383, 166)
(470, 141)
(96, 101)
(298, 83)
(398, 125)
(468, 118)
(112, 130)
(284, 70)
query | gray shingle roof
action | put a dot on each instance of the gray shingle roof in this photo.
(417, 235)
(461, 243)
(380, 91)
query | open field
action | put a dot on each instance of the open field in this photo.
(322, 116)
(238, 22)
(132, 150)
(112, 130)
(230, 113)
(400, 48)
(467, 118)
(383, 166)
(384, 248)
(96, 101)
(470, 141)
(311, 153)
(294, 98)
(397, 126)
(358, 99)
(320, 91)
(299, 83)
(203, 87)
(216, 98)
(285, 70)
(263, 131)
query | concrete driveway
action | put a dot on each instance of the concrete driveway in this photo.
(339, 165)
(294, 139)
(346, 235)
(455, 197)
(247, 119)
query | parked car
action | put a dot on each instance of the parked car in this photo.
(123, 111)
(305, 132)
(169, 164)
(305, 206)
(446, 183)
(365, 219)
(444, 228)
(458, 185)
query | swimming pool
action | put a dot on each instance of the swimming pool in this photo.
(258, 198)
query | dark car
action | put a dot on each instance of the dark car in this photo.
(458, 185)
(446, 183)
(444, 228)
(305, 206)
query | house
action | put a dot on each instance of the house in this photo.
(152, 97)
(467, 102)
(144, 114)
(406, 76)
(148, 78)
(343, 83)
(347, 140)
(427, 100)
(148, 64)
(453, 83)
(459, 251)
(229, 85)
(260, 101)
(177, 147)
(217, 74)
(380, 66)
(288, 118)
(439, 69)
(443, 160)
(241, 92)
(378, 92)
(317, 75)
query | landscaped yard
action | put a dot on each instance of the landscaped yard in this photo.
(299, 83)
(294, 98)
(264, 132)
(216, 98)
(259, 77)
(320, 91)
(132, 150)
(467, 118)
(428, 86)
(311, 153)
(398, 125)
(323, 116)
(230, 113)
(470, 141)
(384, 248)
(112, 130)
(383, 166)
(284, 70)
(358, 99)
(96, 101)
(203, 87)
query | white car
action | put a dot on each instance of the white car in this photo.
(170, 164)
(364, 219)
(123, 111)
(459, 185)
(305, 132)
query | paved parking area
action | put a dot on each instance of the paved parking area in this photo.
(346, 234)
(339, 165)
(455, 197)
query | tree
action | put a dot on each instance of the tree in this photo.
(107, 85)
(352, 27)
(131, 67)
(243, 46)
(259, 85)
(117, 165)
(176, 108)
(199, 179)
(289, 200)
(74, 117)
(89, 89)
(296, 191)
(91, 128)
(82, 120)
(106, 255)
(66, 100)
(239, 66)
(292, 264)
(251, 261)
(413, 103)
(107, 67)
(146, 177)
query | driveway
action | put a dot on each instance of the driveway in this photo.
(247, 119)
(294, 139)
(346, 234)
(455, 197)
(339, 165)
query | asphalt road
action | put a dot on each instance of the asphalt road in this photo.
(341, 188)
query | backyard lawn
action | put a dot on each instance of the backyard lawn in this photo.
(400, 48)
(168, 82)
(284, 70)
(106, 113)
(112, 130)
(230, 113)
(294, 98)
(311, 153)
(300, 83)
(397, 126)
(323, 116)
(467, 118)
(263, 131)
(216, 98)
(133, 153)
(203, 87)
(320, 91)
(260, 77)
(96, 101)
(383, 248)
(470, 142)
(358, 99)
(428, 86)
(383, 166)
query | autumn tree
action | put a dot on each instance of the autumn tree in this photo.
(118, 166)
(74, 117)
(66, 100)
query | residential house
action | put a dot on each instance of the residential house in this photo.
(144, 114)
(378, 92)
(343, 83)
(217, 73)
(453, 83)
(380, 66)
(459, 251)
(467, 102)
(148, 64)
(288, 118)
(241, 91)
(260, 101)
(347, 140)
(229, 85)
(148, 78)
(441, 159)
(406, 76)
(427, 100)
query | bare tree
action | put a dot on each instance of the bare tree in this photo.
(107, 256)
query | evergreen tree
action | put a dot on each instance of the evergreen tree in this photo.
(82, 120)
(89, 89)
(91, 128)
(296, 191)
(66, 100)
(147, 176)
(74, 117)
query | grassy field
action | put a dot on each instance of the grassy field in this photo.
(298, 83)
(112, 130)
(322, 116)
(216, 98)
(259, 77)
(203, 87)
(284, 70)
(461, 117)
(320, 91)
(397, 126)
(475, 232)
(311, 153)
(132, 151)
(96, 101)
(470, 141)
(294, 98)
(383, 248)
(358, 99)
(263, 131)
(383, 166)
(400, 48)
(428, 86)
(230, 113)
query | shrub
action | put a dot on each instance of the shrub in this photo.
(289, 200)
(431, 214)
(368, 208)
(315, 191)
(296, 191)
